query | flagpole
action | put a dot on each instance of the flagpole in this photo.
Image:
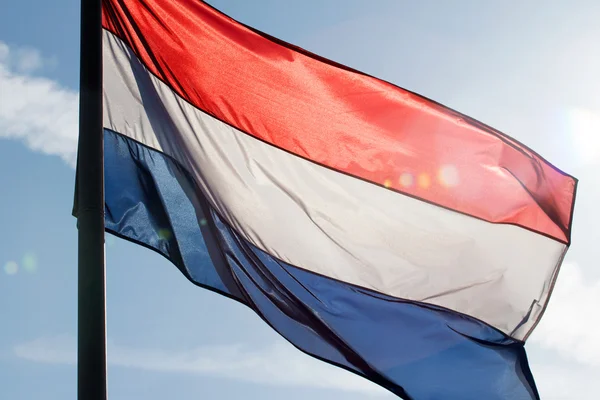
(91, 313)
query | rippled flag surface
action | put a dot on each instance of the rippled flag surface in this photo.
(373, 228)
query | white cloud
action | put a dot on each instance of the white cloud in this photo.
(3, 52)
(560, 382)
(28, 60)
(279, 364)
(24, 60)
(571, 323)
(282, 365)
(56, 350)
(36, 110)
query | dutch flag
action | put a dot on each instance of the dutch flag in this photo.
(373, 228)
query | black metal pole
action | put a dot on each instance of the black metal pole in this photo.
(91, 313)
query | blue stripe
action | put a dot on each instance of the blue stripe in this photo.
(415, 350)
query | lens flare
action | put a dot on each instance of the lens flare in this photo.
(406, 180)
(448, 176)
(29, 262)
(11, 268)
(164, 234)
(424, 181)
(203, 222)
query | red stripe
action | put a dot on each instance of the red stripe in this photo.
(342, 118)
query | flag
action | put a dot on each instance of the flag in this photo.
(373, 228)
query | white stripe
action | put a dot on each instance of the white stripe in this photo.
(330, 223)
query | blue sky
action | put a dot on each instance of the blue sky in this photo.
(530, 70)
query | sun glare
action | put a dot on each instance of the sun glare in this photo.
(584, 127)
